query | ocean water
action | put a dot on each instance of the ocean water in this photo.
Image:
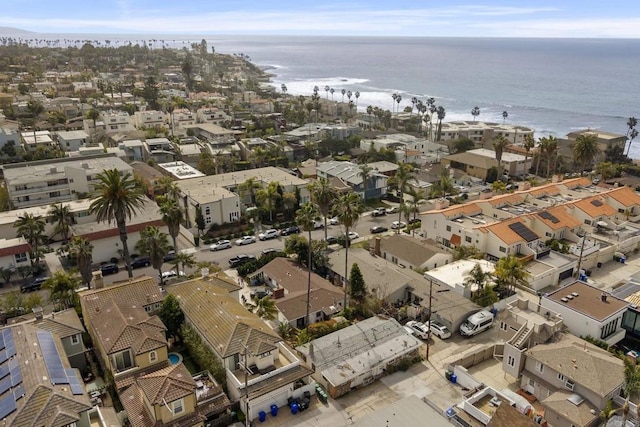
(553, 85)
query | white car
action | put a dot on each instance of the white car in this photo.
(398, 224)
(392, 210)
(317, 224)
(220, 244)
(439, 330)
(420, 329)
(334, 221)
(245, 240)
(171, 274)
(272, 233)
(353, 235)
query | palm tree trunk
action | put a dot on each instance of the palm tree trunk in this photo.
(306, 321)
(122, 229)
(175, 242)
(346, 267)
(538, 164)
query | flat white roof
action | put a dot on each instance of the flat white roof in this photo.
(73, 134)
(75, 206)
(506, 157)
(181, 170)
(456, 272)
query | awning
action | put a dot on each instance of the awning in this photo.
(455, 240)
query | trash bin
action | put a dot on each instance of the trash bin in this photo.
(447, 374)
(274, 410)
(454, 378)
(599, 265)
(294, 408)
(262, 416)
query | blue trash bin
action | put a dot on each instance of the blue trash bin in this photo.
(454, 378)
(294, 408)
(262, 416)
(274, 410)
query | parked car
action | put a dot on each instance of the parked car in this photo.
(271, 233)
(476, 323)
(317, 224)
(33, 286)
(334, 221)
(245, 240)
(415, 221)
(269, 251)
(107, 269)
(294, 229)
(353, 235)
(241, 259)
(169, 257)
(409, 331)
(171, 274)
(439, 330)
(331, 240)
(378, 229)
(421, 330)
(398, 224)
(142, 261)
(392, 210)
(220, 245)
(379, 212)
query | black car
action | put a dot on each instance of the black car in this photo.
(415, 221)
(241, 259)
(33, 286)
(378, 229)
(332, 240)
(141, 262)
(294, 229)
(169, 257)
(107, 269)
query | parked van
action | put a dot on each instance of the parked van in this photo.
(476, 323)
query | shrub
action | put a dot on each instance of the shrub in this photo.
(202, 355)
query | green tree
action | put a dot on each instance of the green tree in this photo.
(6, 274)
(357, 286)
(249, 188)
(31, 227)
(150, 93)
(62, 288)
(348, 208)
(117, 198)
(82, 250)
(284, 330)
(93, 115)
(528, 145)
(404, 175)
(499, 187)
(63, 219)
(268, 197)
(171, 315)
(499, 144)
(183, 260)
(585, 150)
(467, 252)
(297, 245)
(305, 217)
(511, 272)
(444, 187)
(551, 153)
(323, 194)
(484, 295)
(265, 308)
(154, 244)
(462, 145)
(200, 223)
(172, 216)
(35, 108)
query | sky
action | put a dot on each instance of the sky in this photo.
(454, 18)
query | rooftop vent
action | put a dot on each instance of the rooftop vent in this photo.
(564, 300)
(575, 294)
(569, 297)
(603, 297)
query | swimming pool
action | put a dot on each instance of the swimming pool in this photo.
(175, 358)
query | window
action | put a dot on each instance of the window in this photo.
(178, 407)
(503, 326)
(207, 210)
(448, 228)
(502, 249)
(147, 308)
(54, 194)
(153, 356)
(22, 257)
(561, 377)
(75, 339)
(548, 234)
(123, 361)
(609, 329)
(539, 367)
(569, 385)
(468, 239)
(511, 361)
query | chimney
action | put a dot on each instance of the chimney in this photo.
(524, 186)
(377, 246)
(98, 281)
(603, 297)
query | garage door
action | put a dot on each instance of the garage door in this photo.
(566, 274)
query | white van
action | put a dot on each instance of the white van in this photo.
(476, 323)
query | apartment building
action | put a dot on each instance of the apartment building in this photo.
(149, 119)
(45, 182)
(212, 115)
(478, 162)
(112, 122)
(72, 140)
(482, 133)
(33, 140)
(351, 175)
(9, 136)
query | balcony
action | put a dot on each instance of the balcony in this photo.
(206, 387)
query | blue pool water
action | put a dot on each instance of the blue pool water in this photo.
(175, 358)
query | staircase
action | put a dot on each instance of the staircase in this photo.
(521, 337)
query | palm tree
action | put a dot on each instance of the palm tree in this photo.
(332, 91)
(417, 196)
(62, 286)
(154, 244)
(265, 308)
(63, 219)
(543, 143)
(393, 105)
(551, 154)
(172, 216)
(477, 277)
(499, 143)
(504, 117)
(343, 91)
(326, 91)
(249, 187)
(268, 196)
(183, 260)
(117, 198)
(323, 194)
(632, 132)
(82, 250)
(305, 217)
(169, 187)
(528, 145)
(475, 112)
(585, 150)
(365, 174)
(348, 208)
(401, 180)
(31, 227)
(510, 272)
(93, 115)
(441, 112)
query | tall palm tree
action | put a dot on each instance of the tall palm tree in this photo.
(348, 208)
(82, 250)
(154, 244)
(551, 152)
(268, 196)
(172, 216)
(63, 219)
(585, 150)
(632, 132)
(475, 112)
(401, 180)
(93, 115)
(499, 143)
(511, 272)
(169, 187)
(528, 145)
(365, 174)
(266, 308)
(543, 144)
(504, 116)
(117, 198)
(305, 217)
(62, 286)
(416, 196)
(31, 227)
(326, 91)
(183, 260)
(441, 113)
(323, 194)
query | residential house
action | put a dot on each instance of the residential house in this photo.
(588, 311)
(407, 148)
(572, 379)
(149, 119)
(261, 370)
(211, 132)
(112, 122)
(411, 252)
(160, 150)
(212, 115)
(14, 253)
(190, 151)
(181, 118)
(483, 133)
(351, 174)
(477, 162)
(58, 180)
(9, 136)
(134, 150)
(72, 140)
(66, 326)
(359, 354)
(288, 284)
(34, 140)
(39, 387)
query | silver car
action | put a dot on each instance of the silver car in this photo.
(220, 244)
(245, 240)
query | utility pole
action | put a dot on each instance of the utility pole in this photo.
(581, 251)
(429, 320)
(247, 422)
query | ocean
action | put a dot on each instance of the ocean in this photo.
(553, 85)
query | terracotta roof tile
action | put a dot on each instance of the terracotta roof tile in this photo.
(168, 384)
(594, 206)
(139, 292)
(625, 196)
(557, 217)
(458, 210)
(503, 230)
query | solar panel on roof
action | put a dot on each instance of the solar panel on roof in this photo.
(16, 376)
(596, 203)
(549, 216)
(10, 345)
(52, 359)
(75, 384)
(18, 393)
(3, 356)
(7, 406)
(4, 370)
(2, 341)
(521, 230)
(5, 385)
